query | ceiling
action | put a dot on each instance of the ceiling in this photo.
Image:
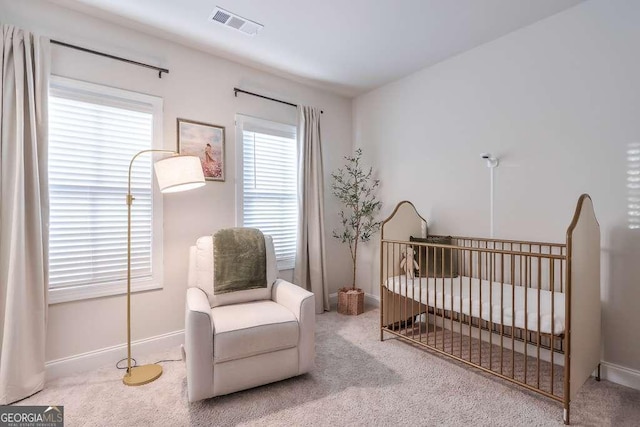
(346, 46)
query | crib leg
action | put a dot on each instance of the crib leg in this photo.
(598, 375)
(565, 414)
(381, 334)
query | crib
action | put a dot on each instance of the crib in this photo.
(527, 312)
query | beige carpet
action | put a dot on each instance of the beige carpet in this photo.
(358, 381)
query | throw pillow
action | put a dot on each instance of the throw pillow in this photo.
(431, 258)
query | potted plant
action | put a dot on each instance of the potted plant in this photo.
(355, 189)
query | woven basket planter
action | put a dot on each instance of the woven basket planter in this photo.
(350, 301)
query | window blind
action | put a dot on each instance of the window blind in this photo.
(269, 185)
(92, 139)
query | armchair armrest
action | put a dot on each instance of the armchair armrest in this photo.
(302, 304)
(199, 345)
(191, 275)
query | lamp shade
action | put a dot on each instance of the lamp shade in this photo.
(179, 173)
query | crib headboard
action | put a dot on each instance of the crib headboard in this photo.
(404, 221)
(583, 299)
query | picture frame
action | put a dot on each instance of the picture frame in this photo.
(205, 141)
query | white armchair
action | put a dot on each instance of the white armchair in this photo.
(247, 338)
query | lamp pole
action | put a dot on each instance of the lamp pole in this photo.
(146, 373)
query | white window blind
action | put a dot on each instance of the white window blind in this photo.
(94, 131)
(269, 199)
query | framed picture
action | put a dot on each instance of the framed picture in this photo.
(205, 141)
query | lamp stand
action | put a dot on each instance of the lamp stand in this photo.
(137, 375)
(140, 375)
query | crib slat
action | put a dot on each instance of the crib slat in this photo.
(553, 318)
(513, 320)
(382, 291)
(443, 292)
(561, 276)
(526, 312)
(395, 298)
(491, 277)
(539, 318)
(426, 274)
(451, 295)
(388, 277)
(502, 310)
(406, 281)
(530, 282)
(435, 297)
(470, 306)
(420, 294)
(415, 306)
(480, 313)
(460, 316)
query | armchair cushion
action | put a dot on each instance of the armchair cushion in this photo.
(249, 329)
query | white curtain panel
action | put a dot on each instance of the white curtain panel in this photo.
(24, 209)
(310, 269)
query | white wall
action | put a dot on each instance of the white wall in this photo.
(559, 102)
(198, 87)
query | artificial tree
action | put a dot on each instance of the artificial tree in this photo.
(355, 188)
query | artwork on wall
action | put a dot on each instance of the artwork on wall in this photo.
(205, 141)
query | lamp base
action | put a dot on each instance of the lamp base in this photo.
(141, 375)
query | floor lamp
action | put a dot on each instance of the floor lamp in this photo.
(174, 174)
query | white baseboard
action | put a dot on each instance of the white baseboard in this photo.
(372, 299)
(333, 298)
(368, 299)
(620, 375)
(110, 355)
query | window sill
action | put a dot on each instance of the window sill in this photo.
(84, 292)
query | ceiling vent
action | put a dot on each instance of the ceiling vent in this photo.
(234, 21)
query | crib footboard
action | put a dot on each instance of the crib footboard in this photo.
(583, 302)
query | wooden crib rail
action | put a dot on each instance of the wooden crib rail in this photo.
(478, 249)
(506, 241)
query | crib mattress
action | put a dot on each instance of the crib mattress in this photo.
(464, 295)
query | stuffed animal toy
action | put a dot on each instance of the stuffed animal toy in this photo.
(408, 263)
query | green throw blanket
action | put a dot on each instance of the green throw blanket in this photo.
(240, 260)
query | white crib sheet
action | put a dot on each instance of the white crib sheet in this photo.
(458, 289)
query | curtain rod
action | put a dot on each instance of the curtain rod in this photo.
(117, 58)
(236, 90)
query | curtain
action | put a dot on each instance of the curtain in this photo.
(310, 269)
(24, 209)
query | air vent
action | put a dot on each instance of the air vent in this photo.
(221, 17)
(234, 21)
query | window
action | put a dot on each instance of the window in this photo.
(268, 188)
(94, 131)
